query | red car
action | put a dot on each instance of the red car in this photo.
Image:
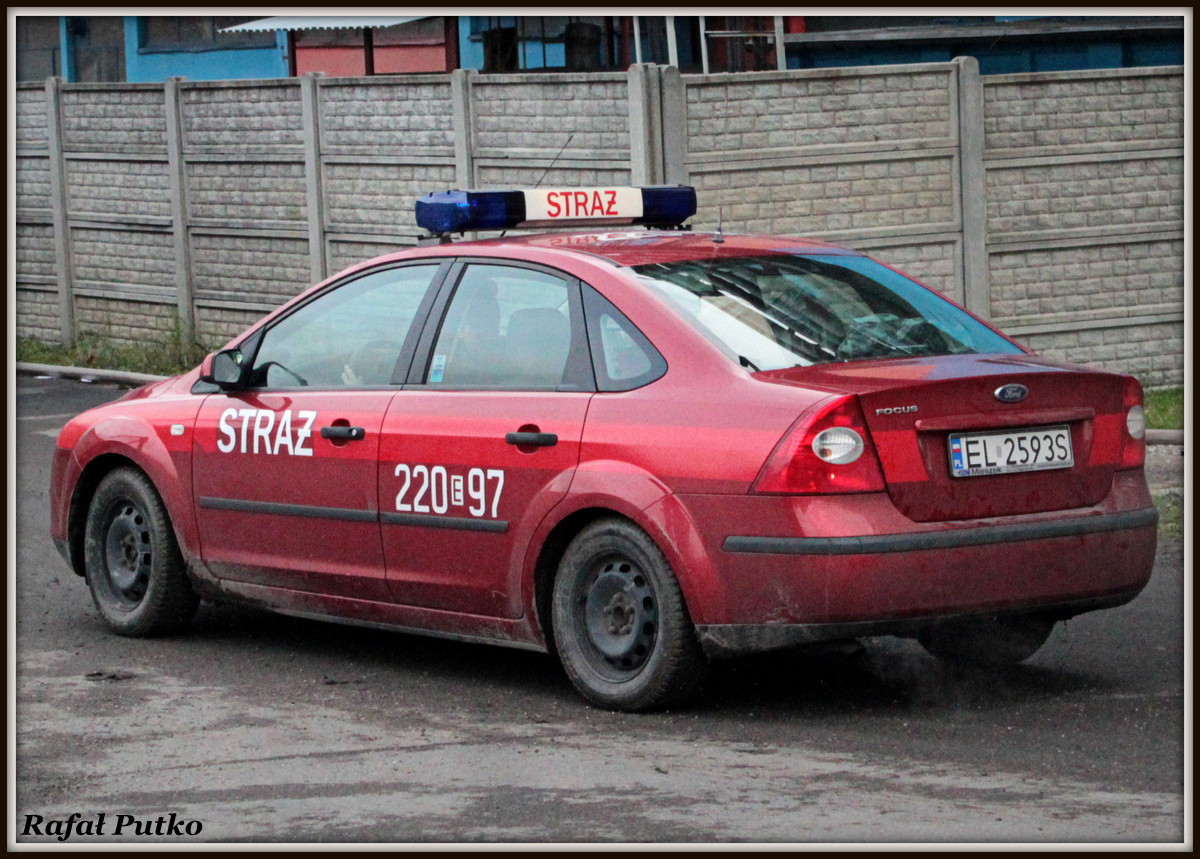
(639, 450)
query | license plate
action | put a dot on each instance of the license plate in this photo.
(977, 453)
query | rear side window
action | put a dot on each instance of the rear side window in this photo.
(622, 356)
(776, 311)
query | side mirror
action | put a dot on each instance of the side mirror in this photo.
(223, 369)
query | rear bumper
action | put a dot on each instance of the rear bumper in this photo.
(987, 535)
(790, 570)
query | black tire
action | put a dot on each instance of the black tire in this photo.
(134, 568)
(621, 627)
(987, 641)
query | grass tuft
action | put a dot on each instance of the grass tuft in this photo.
(1164, 409)
(167, 357)
(1170, 513)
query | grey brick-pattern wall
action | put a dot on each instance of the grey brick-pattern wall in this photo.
(257, 271)
(247, 192)
(515, 113)
(1084, 108)
(102, 118)
(1125, 192)
(125, 323)
(228, 114)
(129, 262)
(1084, 178)
(132, 190)
(735, 114)
(37, 314)
(213, 202)
(33, 183)
(367, 115)
(380, 195)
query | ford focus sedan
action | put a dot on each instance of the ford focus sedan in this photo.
(640, 450)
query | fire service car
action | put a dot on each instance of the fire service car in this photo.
(639, 448)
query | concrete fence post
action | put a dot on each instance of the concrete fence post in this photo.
(313, 178)
(58, 202)
(972, 188)
(461, 82)
(674, 126)
(641, 126)
(177, 175)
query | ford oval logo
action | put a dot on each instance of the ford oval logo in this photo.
(1011, 393)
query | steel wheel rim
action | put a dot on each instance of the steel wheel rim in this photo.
(617, 617)
(128, 553)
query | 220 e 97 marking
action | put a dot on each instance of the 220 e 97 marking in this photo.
(444, 489)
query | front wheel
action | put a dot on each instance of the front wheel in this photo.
(620, 623)
(987, 641)
(134, 568)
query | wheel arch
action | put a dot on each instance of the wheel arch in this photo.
(81, 498)
(550, 553)
(666, 522)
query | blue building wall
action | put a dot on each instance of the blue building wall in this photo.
(142, 65)
(152, 66)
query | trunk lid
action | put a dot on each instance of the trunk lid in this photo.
(913, 406)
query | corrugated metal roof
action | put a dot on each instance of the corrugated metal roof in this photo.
(322, 22)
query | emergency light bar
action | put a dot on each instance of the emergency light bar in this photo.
(459, 211)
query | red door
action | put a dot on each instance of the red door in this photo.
(460, 496)
(278, 504)
(286, 470)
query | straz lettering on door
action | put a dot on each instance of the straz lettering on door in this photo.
(433, 489)
(266, 431)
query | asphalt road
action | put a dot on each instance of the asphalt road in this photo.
(260, 728)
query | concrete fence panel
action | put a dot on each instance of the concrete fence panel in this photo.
(868, 157)
(1085, 215)
(1049, 203)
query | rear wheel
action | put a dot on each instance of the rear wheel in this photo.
(620, 624)
(134, 568)
(987, 641)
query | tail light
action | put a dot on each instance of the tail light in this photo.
(827, 450)
(1133, 439)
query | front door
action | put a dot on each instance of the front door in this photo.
(284, 471)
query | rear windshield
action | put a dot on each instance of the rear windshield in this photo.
(776, 311)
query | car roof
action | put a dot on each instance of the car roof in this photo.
(632, 247)
(627, 247)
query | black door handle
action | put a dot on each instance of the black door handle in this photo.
(536, 439)
(351, 433)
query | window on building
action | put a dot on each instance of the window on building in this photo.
(97, 45)
(557, 42)
(39, 53)
(189, 33)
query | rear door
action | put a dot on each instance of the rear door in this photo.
(484, 439)
(285, 471)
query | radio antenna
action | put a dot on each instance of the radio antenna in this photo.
(718, 236)
(552, 163)
(548, 166)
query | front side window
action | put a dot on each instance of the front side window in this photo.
(775, 311)
(349, 337)
(505, 327)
